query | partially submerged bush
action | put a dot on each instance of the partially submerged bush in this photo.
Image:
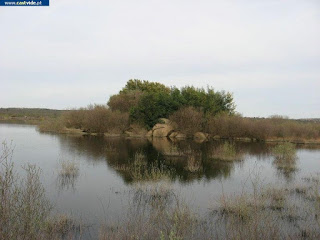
(24, 207)
(153, 214)
(62, 227)
(285, 159)
(68, 174)
(284, 151)
(52, 125)
(69, 168)
(25, 211)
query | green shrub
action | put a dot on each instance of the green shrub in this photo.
(148, 101)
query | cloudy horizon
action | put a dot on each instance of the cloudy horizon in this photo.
(75, 53)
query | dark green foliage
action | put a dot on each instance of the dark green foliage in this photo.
(148, 101)
(144, 86)
(151, 107)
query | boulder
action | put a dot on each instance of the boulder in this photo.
(149, 134)
(162, 130)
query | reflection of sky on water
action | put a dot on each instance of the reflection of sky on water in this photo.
(101, 185)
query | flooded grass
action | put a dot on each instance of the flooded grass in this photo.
(25, 211)
(150, 173)
(285, 151)
(193, 164)
(142, 171)
(227, 152)
(267, 212)
(63, 227)
(68, 174)
(154, 193)
(68, 169)
(285, 158)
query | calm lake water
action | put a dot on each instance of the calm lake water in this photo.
(99, 193)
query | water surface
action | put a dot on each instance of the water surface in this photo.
(99, 193)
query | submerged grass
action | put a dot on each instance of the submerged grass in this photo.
(264, 212)
(69, 169)
(193, 164)
(150, 172)
(285, 151)
(285, 158)
(68, 173)
(140, 170)
(25, 211)
(227, 152)
(157, 211)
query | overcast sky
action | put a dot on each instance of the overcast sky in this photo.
(76, 52)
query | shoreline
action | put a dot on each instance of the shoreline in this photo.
(74, 131)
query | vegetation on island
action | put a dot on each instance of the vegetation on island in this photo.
(146, 102)
(140, 105)
(190, 110)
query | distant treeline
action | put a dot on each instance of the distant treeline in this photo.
(35, 113)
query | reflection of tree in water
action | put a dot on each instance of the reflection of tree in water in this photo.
(285, 159)
(188, 160)
(66, 182)
(286, 168)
